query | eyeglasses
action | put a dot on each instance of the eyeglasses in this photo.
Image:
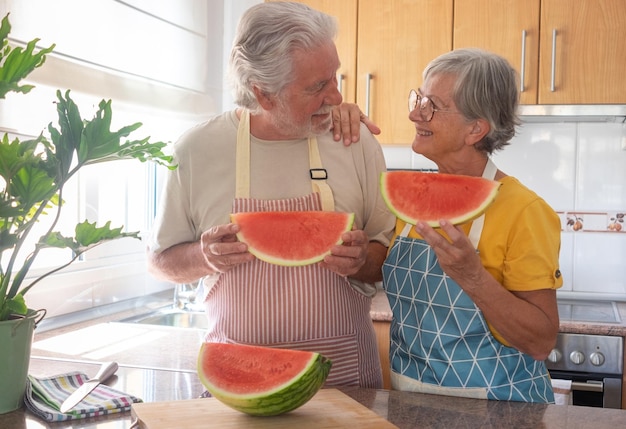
(426, 107)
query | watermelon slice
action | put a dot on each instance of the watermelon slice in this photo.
(292, 238)
(258, 380)
(415, 196)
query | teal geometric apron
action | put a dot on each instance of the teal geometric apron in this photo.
(440, 341)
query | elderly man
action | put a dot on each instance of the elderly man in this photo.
(264, 156)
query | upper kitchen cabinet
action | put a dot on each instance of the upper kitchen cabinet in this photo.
(507, 27)
(582, 46)
(396, 40)
(566, 51)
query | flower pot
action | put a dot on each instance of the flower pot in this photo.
(16, 337)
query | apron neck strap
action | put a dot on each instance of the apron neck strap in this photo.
(242, 168)
(319, 175)
(242, 164)
(477, 225)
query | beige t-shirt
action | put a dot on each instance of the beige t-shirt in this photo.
(200, 192)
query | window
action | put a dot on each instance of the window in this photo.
(156, 75)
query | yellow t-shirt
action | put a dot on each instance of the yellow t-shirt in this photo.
(520, 241)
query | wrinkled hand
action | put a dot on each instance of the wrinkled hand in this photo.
(348, 258)
(347, 118)
(457, 256)
(221, 250)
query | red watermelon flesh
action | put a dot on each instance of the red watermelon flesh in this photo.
(292, 238)
(261, 380)
(415, 196)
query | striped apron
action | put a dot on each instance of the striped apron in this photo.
(305, 308)
(440, 341)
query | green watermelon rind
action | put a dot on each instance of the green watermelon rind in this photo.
(434, 220)
(263, 256)
(279, 400)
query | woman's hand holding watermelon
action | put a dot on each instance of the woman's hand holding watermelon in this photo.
(457, 256)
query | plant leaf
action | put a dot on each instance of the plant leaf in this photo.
(87, 236)
(15, 305)
(17, 63)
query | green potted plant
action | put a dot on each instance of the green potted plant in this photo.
(32, 176)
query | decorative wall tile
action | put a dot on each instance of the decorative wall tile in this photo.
(617, 222)
(593, 222)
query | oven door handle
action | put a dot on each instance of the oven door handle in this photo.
(589, 386)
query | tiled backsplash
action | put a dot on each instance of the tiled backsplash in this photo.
(580, 170)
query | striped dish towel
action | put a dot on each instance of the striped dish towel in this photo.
(44, 397)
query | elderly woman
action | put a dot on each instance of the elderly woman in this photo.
(474, 305)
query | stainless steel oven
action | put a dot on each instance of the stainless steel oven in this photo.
(594, 363)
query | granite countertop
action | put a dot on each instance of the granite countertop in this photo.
(403, 409)
(158, 363)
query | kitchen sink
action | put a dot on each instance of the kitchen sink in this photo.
(173, 317)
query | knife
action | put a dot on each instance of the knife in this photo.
(106, 370)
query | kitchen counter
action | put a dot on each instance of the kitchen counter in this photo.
(403, 409)
(158, 363)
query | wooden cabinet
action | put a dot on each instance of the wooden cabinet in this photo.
(507, 27)
(382, 338)
(383, 48)
(589, 52)
(567, 51)
(396, 40)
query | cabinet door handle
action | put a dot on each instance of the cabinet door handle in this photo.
(368, 81)
(522, 77)
(552, 77)
(340, 78)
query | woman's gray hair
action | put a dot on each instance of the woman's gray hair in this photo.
(266, 37)
(486, 88)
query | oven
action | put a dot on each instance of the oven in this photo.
(594, 363)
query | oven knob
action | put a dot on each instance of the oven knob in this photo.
(596, 358)
(577, 357)
(555, 356)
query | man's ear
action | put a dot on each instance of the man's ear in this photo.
(264, 99)
(479, 130)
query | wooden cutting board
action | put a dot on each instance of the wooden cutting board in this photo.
(329, 408)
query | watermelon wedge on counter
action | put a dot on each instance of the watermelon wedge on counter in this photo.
(415, 196)
(292, 238)
(261, 381)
